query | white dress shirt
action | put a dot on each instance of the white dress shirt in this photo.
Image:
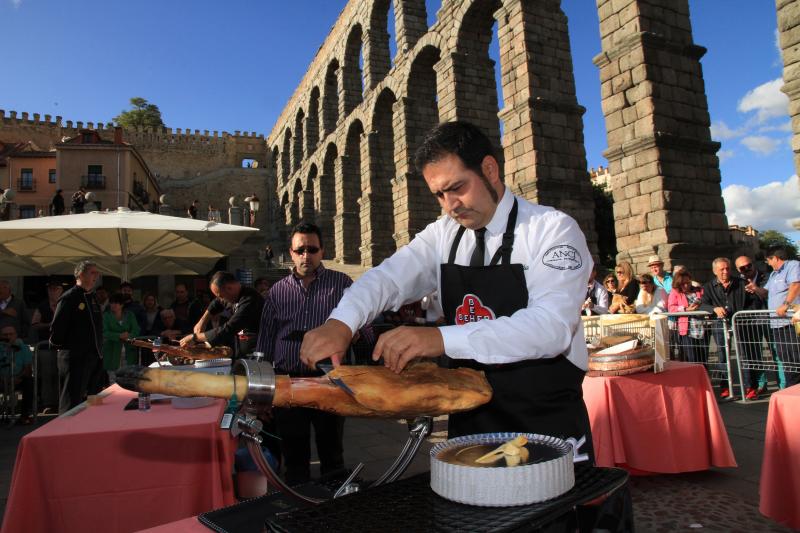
(548, 327)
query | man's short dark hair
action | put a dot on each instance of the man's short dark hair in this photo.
(222, 278)
(181, 284)
(306, 228)
(462, 139)
(125, 284)
(778, 251)
(117, 298)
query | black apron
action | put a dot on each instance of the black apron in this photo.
(541, 396)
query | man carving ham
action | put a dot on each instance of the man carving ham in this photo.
(509, 290)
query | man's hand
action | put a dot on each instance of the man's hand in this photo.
(331, 339)
(187, 341)
(781, 311)
(400, 345)
(721, 312)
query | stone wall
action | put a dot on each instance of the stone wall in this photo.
(342, 147)
(664, 167)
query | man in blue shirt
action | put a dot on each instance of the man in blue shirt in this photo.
(783, 288)
(661, 277)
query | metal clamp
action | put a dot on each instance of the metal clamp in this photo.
(260, 384)
(418, 430)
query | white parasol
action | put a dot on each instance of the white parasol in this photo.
(123, 243)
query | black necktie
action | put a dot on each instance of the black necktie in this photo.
(480, 248)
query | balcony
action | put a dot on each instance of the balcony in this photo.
(93, 181)
(27, 184)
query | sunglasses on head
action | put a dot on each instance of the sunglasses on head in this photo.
(743, 268)
(306, 249)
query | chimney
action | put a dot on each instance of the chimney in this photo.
(117, 135)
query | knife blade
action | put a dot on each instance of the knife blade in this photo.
(326, 368)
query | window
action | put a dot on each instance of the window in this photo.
(87, 138)
(27, 211)
(94, 178)
(95, 170)
(51, 175)
(26, 180)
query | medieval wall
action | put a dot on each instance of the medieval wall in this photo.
(342, 148)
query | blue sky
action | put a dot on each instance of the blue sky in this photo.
(233, 66)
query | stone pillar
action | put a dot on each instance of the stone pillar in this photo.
(292, 217)
(375, 206)
(325, 209)
(306, 206)
(446, 86)
(346, 221)
(665, 172)
(377, 61)
(789, 38)
(545, 158)
(410, 22)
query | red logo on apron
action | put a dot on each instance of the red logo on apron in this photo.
(472, 310)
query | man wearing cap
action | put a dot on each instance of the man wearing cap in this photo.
(661, 277)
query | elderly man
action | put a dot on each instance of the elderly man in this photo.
(241, 329)
(12, 309)
(174, 327)
(661, 277)
(784, 291)
(753, 335)
(77, 332)
(10, 345)
(722, 297)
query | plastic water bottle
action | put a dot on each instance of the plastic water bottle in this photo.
(144, 401)
(156, 346)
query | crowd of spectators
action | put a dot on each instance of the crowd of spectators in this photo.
(702, 312)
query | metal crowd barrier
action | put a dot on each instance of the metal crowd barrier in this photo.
(765, 342)
(596, 327)
(707, 342)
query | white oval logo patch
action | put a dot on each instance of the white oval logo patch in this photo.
(562, 257)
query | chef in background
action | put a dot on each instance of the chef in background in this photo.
(512, 277)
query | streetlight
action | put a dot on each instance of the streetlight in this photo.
(255, 203)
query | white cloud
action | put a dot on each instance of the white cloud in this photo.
(724, 155)
(786, 126)
(769, 206)
(760, 144)
(721, 131)
(16, 3)
(767, 99)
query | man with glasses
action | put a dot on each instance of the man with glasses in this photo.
(240, 330)
(294, 305)
(753, 336)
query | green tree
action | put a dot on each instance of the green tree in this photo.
(604, 225)
(773, 237)
(143, 114)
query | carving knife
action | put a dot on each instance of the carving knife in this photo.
(325, 368)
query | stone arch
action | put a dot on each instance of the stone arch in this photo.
(422, 114)
(286, 156)
(274, 163)
(312, 122)
(284, 212)
(352, 93)
(348, 190)
(378, 225)
(297, 154)
(294, 209)
(330, 98)
(476, 93)
(377, 58)
(311, 178)
(325, 192)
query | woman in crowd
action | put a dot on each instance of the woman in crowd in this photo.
(610, 284)
(686, 297)
(628, 290)
(651, 299)
(118, 326)
(151, 318)
(43, 315)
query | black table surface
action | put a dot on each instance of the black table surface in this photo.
(405, 505)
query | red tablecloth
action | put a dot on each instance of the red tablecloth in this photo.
(780, 470)
(187, 525)
(664, 423)
(110, 470)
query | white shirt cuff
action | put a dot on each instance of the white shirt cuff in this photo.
(350, 318)
(456, 342)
